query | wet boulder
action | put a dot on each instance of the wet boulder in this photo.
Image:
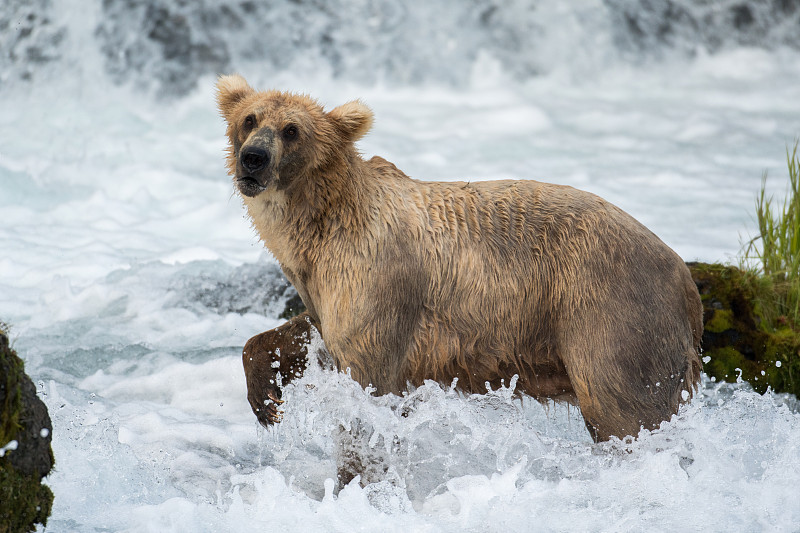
(745, 335)
(26, 456)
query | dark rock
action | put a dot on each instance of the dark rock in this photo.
(24, 500)
(642, 28)
(294, 306)
(249, 288)
(29, 39)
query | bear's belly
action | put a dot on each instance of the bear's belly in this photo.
(487, 353)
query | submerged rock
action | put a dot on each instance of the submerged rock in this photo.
(294, 305)
(742, 339)
(25, 452)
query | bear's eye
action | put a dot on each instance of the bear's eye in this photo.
(290, 132)
(249, 122)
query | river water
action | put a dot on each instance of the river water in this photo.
(130, 278)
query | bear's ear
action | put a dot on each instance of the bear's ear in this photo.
(230, 90)
(353, 120)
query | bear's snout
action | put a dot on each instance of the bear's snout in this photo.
(253, 178)
(254, 158)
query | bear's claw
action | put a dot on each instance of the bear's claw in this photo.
(268, 414)
(274, 399)
(273, 415)
(264, 404)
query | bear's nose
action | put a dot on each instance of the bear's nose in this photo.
(254, 158)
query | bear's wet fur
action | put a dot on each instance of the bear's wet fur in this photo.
(409, 280)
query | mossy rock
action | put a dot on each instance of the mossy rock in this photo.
(24, 500)
(741, 337)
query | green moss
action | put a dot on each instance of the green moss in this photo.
(12, 398)
(721, 320)
(744, 329)
(782, 361)
(24, 501)
(729, 364)
(723, 362)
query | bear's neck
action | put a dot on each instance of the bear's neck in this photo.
(326, 212)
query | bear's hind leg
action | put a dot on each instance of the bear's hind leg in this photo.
(624, 382)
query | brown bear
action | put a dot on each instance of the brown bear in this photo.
(410, 280)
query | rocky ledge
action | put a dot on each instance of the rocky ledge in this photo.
(744, 337)
(26, 456)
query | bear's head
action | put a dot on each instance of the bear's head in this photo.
(279, 139)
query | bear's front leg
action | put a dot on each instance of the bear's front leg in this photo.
(281, 350)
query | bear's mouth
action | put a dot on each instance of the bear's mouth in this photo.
(249, 186)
